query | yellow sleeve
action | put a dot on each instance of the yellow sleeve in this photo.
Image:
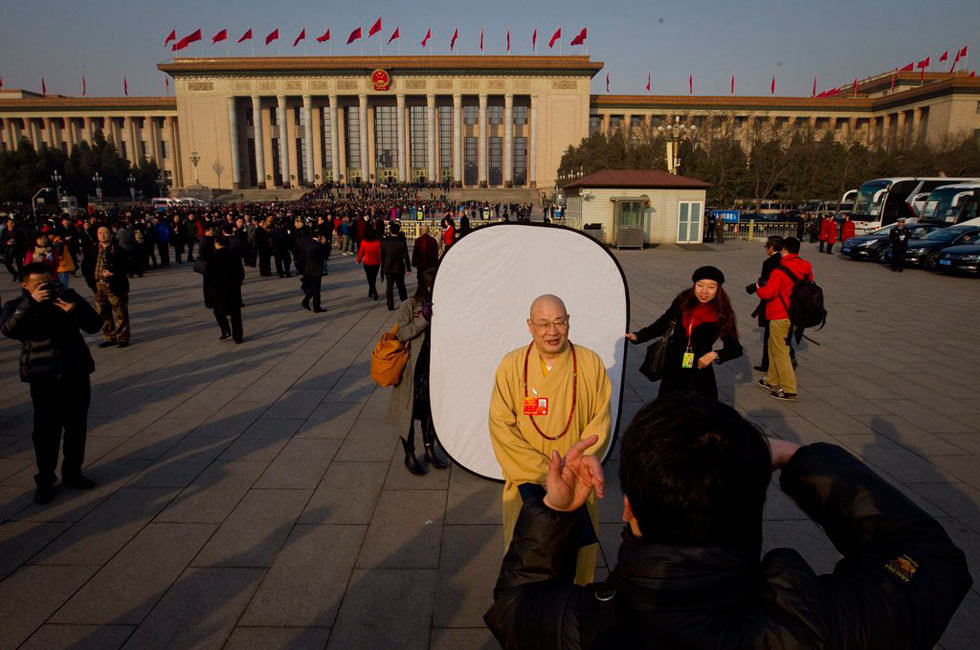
(520, 462)
(600, 419)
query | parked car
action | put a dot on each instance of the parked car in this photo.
(878, 244)
(925, 252)
(961, 259)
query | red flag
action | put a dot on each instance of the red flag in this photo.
(452, 41)
(554, 37)
(924, 63)
(481, 39)
(125, 87)
(962, 53)
(375, 28)
(508, 41)
(247, 36)
(172, 36)
(690, 84)
(220, 36)
(325, 37)
(300, 37)
(354, 35)
(973, 73)
(944, 57)
(648, 82)
(84, 86)
(733, 84)
(428, 35)
(273, 35)
(855, 86)
(772, 86)
(166, 85)
(580, 39)
(908, 67)
(1, 83)
(607, 82)
(193, 37)
(813, 93)
(44, 87)
(394, 35)
(534, 40)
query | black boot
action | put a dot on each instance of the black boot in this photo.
(411, 462)
(431, 455)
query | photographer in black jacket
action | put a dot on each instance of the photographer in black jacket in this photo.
(694, 476)
(55, 361)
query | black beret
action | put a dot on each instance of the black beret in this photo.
(708, 273)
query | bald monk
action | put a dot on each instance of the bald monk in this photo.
(547, 396)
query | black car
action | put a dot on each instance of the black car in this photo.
(925, 252)
(964, 259)
(878, 244)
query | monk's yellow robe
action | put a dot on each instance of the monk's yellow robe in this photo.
(522, 452)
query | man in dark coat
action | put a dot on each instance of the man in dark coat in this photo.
(899, 236)
(425, 252)
(224, 275)
(310, 253)
(106, 269)
(56, 363)
(263, 247)
(282, 243)
(394, 264)
(694, 476)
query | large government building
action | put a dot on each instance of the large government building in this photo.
(481, 121)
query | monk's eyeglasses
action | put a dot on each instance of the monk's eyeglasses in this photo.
(545, 326)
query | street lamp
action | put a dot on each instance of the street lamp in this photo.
(97, 179)
(194, 160)
(56, 179)
(34, 200)
(673, 134)
(132, 187)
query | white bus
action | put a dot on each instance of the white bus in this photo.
(951, 204)
(881, 201)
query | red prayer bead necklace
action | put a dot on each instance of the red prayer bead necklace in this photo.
(571, 412)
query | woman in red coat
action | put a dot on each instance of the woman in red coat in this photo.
(847, 229)
(828, 233)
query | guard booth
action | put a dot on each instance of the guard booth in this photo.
(634, 208)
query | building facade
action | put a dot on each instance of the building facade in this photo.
(478, 121)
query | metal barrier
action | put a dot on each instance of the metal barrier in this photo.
(760, 230)
(413, 228)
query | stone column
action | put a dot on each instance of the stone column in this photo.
(170, 124)
(457, 138)
(12, 134)
(308, 137)
(236, 171)
(372, 142)
(54, 133)
(481, 154)
(334, 142)
(70, 128)
(281, 116)
(317, 146)
(341, 144)
(508, 153)
(87, 130)
(916, 124)
(430, 135)
(605, 125)
(150, 125)
(126, 135)
(362, 129)
(259, 141)
(532, 159)
(400, 126)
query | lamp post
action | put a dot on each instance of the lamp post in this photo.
(674, 133)
(132, 187)
(34, 200)
(97, 179)
(195, 158)
(56, 179)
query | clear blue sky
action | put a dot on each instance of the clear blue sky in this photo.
(835, 40)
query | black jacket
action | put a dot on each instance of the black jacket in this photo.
(898, 585)
(768, 266)
(394, 255)
(309, 255)
(116, 262)
(223, 277)
(52, 346)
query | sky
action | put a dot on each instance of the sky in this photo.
(795, 40)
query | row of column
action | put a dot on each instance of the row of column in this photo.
(336, 136)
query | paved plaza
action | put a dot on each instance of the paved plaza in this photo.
(252, 496)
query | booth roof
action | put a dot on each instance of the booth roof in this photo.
(638, 178)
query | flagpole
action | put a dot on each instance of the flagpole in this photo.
(560, 44)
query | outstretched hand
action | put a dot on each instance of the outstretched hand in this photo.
(571, 479)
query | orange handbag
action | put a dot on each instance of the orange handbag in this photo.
(388, 359)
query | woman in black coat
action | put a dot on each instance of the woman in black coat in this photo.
(223, 277)
(701, 315)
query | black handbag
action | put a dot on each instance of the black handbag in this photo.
(656, 359)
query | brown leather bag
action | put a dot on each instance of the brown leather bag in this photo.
(389, 359)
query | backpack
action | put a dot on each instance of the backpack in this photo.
(388, 359)
(805, 307)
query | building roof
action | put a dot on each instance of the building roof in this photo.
(638, 178)
(460, 65)
(62, 103)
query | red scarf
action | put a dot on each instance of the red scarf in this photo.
(703, 312)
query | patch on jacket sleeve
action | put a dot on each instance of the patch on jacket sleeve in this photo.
(903, 567)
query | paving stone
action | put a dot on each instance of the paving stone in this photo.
(205, 602)
(472, 499)
(399, 478)
(955, 499)
(262, 441)
(13, 499)
(347, 494)
(804, 537)
(30, 595)
(474, 638)
(471, 557)
(306, 583)
(963, 631)
(131, 583)
(405, 531)
(213, 494)
(300, 464)
(401, 602)
(79, 637)
(330, 420)
(254, 532)
(296, 403)
(21, 540)
(107, 528)
(369, 440)
(273, 638)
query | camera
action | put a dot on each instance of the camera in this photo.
(750, 288)
(54, 289)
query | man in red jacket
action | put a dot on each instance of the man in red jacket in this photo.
(777, 291)
(425, 252)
